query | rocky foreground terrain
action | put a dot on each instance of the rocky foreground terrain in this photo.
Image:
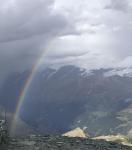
(62, 143)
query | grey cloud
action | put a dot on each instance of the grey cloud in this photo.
(26, 28)
(65, 55)
(119, 5)
(112, 32)
(28, 19)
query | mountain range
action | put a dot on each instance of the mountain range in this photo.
(98, 101)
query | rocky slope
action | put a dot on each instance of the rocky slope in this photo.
(75, 140)
(63, 143)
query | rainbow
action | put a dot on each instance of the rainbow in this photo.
(25, 90)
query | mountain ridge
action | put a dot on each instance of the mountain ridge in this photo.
(69, 97)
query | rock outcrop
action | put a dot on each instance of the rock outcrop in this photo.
(115, 138)
(76, 133)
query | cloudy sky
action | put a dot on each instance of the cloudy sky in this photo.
(87, 33)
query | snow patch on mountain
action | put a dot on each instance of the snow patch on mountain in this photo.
(123, 72)
(86, 72)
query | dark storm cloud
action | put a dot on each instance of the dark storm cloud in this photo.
(26, 27)
(25, 19)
